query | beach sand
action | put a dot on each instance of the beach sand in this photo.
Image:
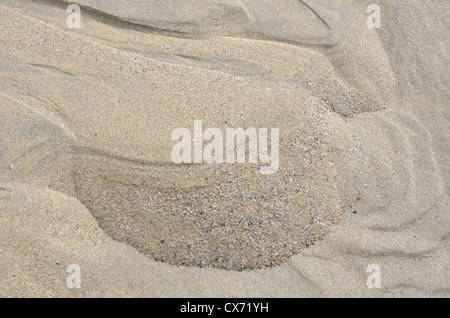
(87, 178)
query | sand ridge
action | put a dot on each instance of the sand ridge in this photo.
(221, 216)
(74, 126)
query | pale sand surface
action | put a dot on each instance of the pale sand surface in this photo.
(86, 175)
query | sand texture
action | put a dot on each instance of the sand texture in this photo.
(87, 177)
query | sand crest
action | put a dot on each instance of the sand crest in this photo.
(87, 175)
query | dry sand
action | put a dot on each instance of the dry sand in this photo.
(86, 175)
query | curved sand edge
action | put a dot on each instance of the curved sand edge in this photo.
(401, 225)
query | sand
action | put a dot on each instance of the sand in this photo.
(87, 178)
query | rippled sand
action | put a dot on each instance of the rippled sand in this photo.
(87, 178)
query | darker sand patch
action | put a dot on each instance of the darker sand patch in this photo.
(224, 216)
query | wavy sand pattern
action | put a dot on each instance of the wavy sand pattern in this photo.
(86, 175)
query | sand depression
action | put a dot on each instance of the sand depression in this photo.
(116, 114)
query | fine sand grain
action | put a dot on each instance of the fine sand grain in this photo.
(86, 175)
